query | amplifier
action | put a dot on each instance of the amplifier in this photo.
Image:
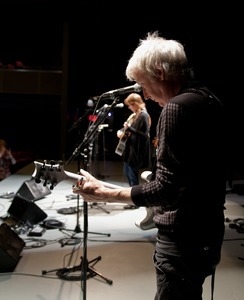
(11, 245)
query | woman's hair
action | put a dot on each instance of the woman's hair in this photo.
(135, 98)
(157, 53)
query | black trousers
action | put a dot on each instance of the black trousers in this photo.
(181, 269)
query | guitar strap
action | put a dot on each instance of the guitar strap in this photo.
(154, 164)
(212, 283)
(208, 94)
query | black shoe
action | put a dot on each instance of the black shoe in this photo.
(130, 206)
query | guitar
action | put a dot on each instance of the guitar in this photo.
(147, 223)
(52, 174)
(146, 175)
(123, 139)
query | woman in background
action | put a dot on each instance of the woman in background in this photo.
(134, 144)
(6, 160)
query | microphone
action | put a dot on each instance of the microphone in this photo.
(120, 105)
(90, 103)
(129, 89)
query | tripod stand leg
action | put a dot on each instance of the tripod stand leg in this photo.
(67, 273)
(97, 206)
(93, 272)
(96, 273)
(100, 233)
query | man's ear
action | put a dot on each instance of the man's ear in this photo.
(160, 74)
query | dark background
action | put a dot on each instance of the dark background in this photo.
(90, 42)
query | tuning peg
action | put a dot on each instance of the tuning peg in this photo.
(37, 180)
(39, 175)
(52, 163)
(53, 183)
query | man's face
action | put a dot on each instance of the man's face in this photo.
(153, 89)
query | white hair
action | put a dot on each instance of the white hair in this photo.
(157, 53)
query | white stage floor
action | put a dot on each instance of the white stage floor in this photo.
(122, 252)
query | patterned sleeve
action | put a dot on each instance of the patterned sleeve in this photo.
(163, 190)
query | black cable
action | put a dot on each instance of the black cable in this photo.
(69, 241)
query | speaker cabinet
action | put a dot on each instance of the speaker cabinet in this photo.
(26, 211)
(11, 245)
(33, 191)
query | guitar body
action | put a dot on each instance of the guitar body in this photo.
(146, 175)
(122, 144)
(147, 223)
(122, 141)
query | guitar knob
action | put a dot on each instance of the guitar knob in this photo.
(53, 183)
(52, 163)
(38, 176)
(44, 163)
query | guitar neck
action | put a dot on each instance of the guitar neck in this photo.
(74, 177)
(53, 174)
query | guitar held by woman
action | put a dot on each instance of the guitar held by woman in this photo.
(123, 135)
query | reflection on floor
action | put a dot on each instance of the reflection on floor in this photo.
(119, 254)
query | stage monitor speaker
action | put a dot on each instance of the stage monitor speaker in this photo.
(33, 191)
(26, 211)
(11, 245)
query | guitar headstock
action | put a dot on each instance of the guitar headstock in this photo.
(51, 174)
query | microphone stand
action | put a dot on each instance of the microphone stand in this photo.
(77, 123)
(77, 209)
(96, 171)
(89, 136)
(88, 139)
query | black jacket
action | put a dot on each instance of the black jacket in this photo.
(138, 149)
